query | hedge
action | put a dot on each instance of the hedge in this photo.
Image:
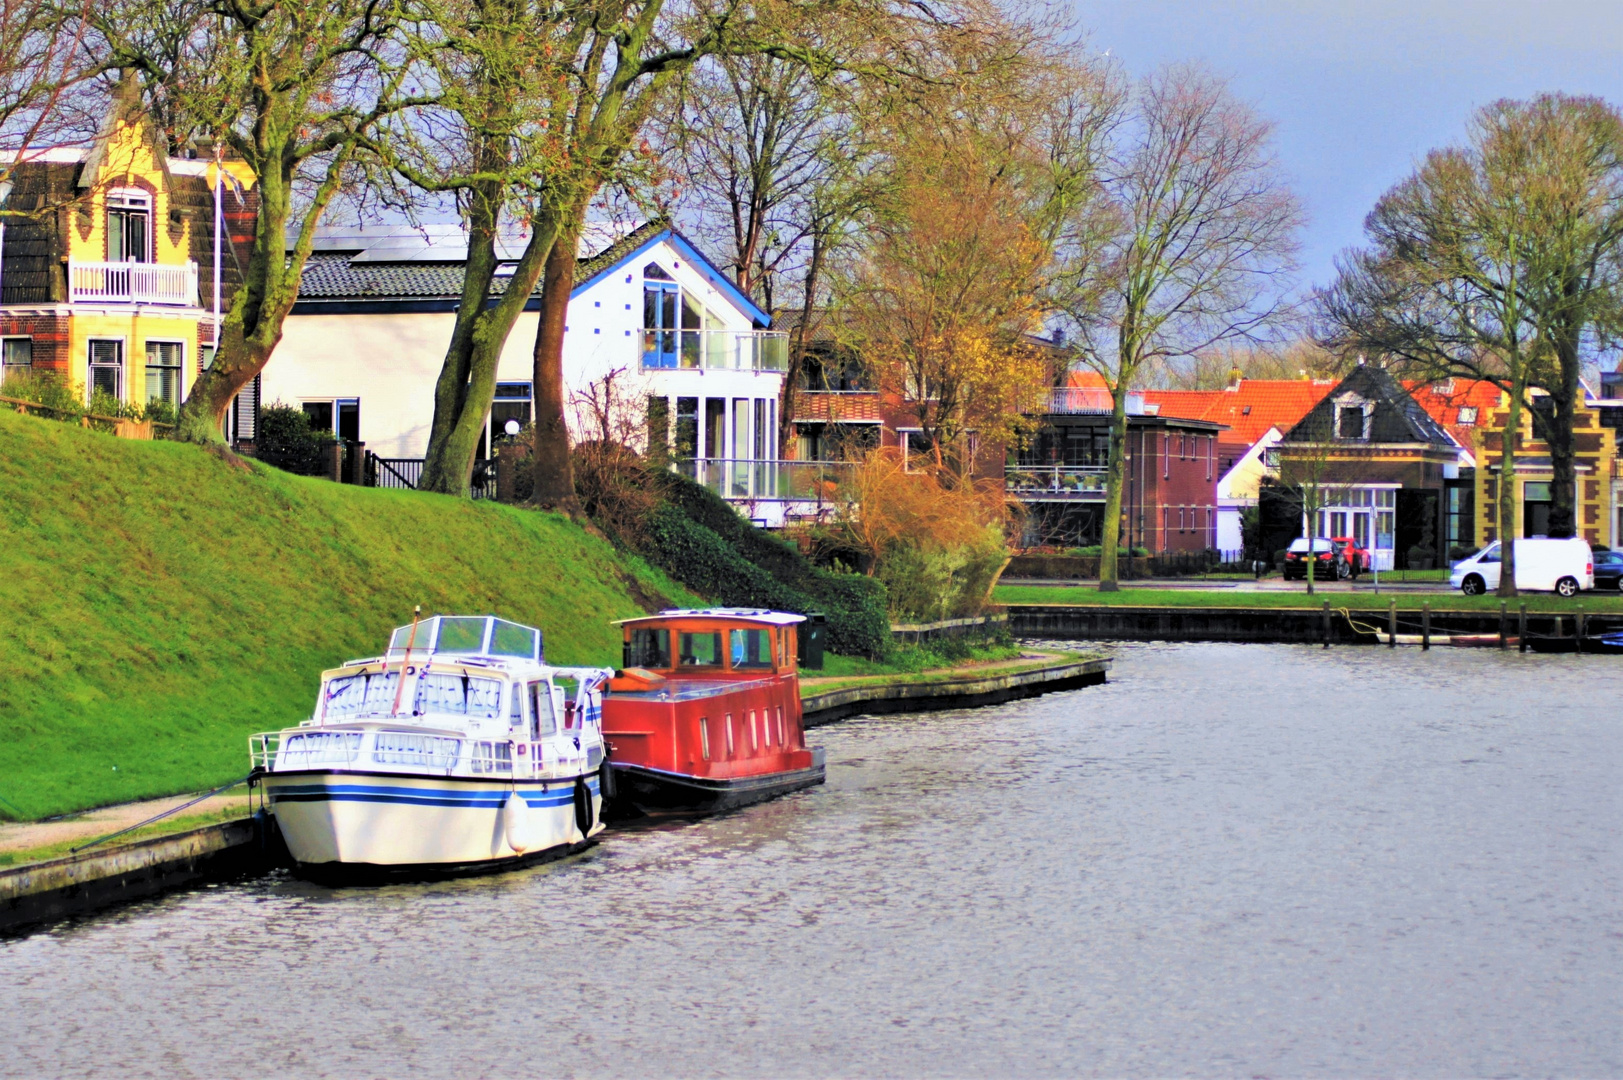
(700, 540)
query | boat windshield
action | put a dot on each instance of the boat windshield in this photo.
(648, 648)
(699, 650)
(751, 648)
(468, 635)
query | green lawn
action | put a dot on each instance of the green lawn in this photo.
(1090, 596)
(161, 603)
(914, 665)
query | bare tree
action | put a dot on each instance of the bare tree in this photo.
(1442, 290)
(1192, 245)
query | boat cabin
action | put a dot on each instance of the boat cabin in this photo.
(709, 643)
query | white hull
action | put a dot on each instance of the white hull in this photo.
(352, 818)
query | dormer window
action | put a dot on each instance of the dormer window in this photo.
(1352, 418)
(129, 226)
(1467, 415)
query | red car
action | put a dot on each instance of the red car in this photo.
(1357, 558)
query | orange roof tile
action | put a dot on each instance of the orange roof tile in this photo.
(1087, 377)
(1444, 400)
(1248, 408)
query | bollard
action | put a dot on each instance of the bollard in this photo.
(1392, 624)
(1425, 626)
(1327, 624)
(1521, 630)
(1501, 624)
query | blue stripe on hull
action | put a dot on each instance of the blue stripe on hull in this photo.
(422, 796)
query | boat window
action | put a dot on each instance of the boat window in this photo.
(782, 738)
(464, 635)
(648, 649)
(704, 737)
(511, 639)
(751, 648)
(699, 650)
(755, 741)
(515, 706)
(492, 757)
(308, 750)
(458, 695)
(545, 719)
(729, 729)
(504, 757)
(360, 695)
(427, 751)
(417, 637)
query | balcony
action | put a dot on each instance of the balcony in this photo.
(740, 480)
(715, 350)
(132, 283)
(1089, 401)
(1056, 483)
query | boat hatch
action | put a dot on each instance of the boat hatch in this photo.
(467, 635)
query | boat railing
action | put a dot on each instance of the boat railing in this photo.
(392, 750)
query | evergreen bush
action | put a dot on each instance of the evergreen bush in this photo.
(284, 439)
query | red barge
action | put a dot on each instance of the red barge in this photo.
(705, 714)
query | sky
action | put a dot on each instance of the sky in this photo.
(1361, 89)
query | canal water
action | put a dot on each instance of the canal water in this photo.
(1233, 860)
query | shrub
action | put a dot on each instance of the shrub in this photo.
(701, 541)
(284, 439)
(60, 399)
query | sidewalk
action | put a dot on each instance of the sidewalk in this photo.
(32, 835)
(1271, 585)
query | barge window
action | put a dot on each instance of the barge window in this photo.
(704, 737)
(755, 739)
(751, 648)
(729, 729)
(648, 649)
(782, 739)
(699, 650)
(545, 720)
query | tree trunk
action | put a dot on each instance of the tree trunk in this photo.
(1115, 475)
(554, 475)
(1507, 492)
(797, 348)
(1563, 478)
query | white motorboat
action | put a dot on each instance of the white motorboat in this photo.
(460, 749)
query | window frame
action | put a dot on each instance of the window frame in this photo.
(122, 367)
(7, 368)
(179, 367)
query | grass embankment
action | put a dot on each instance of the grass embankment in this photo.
(160, 603)
(1129, 596)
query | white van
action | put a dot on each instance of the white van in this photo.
(1560, 566)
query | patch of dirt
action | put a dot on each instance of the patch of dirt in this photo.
(650, 600)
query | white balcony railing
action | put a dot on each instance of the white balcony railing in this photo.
(715, 350)
(790, 481)
(1049, 483)
(1089, 401)
(132, 283)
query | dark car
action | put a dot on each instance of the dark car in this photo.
(1608, 569)
(1332, 564)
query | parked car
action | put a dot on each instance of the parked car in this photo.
(1608, 570)
(1357, 557)
(1331, 563)
(1559, 566)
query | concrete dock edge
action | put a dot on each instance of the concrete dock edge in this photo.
(970, 691)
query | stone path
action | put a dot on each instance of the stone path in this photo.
(25, 836)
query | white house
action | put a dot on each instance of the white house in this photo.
(364, 345)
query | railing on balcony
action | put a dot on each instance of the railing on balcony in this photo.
(716, 350)
(789, 481)
(1055, 482)
(132, 283)
(1089, 401)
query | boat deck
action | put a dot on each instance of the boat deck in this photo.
(689, 689)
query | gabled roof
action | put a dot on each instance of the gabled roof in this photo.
(1396, 417)
(1444, 400)
(1249, 407)
(426, 263)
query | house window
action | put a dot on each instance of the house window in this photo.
(916, 446)
(1352, 422)
(129, 233)
(1467, 415)
(1270, 457)
(16, 357)
(339, 416)
(107, 368)
(687, 427)
(164, 359)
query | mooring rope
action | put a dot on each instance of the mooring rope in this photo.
(172, 810)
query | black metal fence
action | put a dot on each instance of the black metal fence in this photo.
(408, 473)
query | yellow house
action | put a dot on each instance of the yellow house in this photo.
(107, 261)
(1595, 442)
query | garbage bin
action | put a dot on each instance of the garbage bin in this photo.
(812, 634)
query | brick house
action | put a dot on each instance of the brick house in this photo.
(1595, 441)
(100, 284)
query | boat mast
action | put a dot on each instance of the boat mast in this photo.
(400, 687)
